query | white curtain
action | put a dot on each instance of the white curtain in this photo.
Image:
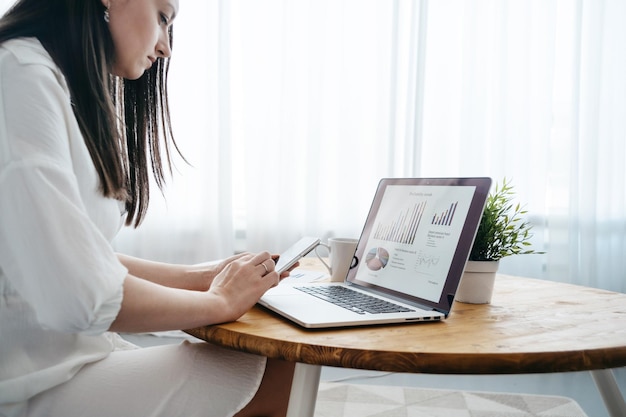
(290, 111)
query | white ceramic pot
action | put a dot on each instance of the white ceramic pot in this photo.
(476, 286)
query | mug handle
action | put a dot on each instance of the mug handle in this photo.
(330, 272)
(355, 262)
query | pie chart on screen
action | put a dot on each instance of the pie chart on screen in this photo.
(377, 258)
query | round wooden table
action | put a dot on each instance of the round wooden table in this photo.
(531, 326)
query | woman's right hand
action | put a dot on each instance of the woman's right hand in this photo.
(149, 307)
(241, 283)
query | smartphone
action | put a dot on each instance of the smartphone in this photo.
(289, 257)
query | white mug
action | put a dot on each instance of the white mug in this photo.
(341, 253)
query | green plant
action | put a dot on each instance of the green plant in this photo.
(502, 230)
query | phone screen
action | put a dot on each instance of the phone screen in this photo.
(289, 257)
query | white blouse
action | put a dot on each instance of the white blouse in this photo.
(60, 280)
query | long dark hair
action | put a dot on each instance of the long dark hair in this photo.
(123, 122)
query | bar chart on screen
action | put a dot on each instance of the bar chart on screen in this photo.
(445, 217)
(404, 227)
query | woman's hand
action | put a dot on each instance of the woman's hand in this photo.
(241, 283)
(161, 296)
(198, 277)
(286, 273)
(148, 306)
(204, 273)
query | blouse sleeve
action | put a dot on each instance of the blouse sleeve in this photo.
(51, 251)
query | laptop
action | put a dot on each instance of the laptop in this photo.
(410, 258)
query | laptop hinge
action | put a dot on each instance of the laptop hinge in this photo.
(450, 299)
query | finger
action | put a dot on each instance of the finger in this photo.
(265, 269)
(263, 262)
(272, 278)
(232, 259)
(286, 273)
(241, 257)
(260, 257)
(238, 256)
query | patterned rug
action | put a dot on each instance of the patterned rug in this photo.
(360, 400)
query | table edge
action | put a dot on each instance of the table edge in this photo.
(416, 362)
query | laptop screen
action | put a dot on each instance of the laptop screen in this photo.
(418, 235)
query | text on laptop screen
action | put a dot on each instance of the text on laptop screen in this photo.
(414, 237)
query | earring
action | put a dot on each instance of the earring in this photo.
(106, 15)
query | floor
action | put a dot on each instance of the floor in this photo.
(576, 385)
(348, 400)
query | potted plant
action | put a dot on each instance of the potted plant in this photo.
(502, 232)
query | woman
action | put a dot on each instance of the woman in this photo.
(83, 112)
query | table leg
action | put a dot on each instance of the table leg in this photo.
(306, 379)
(609, 390)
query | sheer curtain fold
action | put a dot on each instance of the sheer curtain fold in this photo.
(598, 227)
(291, 111)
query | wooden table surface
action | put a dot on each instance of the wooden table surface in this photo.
(531, 326)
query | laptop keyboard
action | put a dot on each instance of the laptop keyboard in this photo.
(353, 300)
